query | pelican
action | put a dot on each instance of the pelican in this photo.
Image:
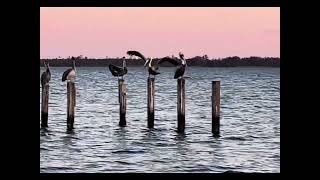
(70, 74)
(152, 69)
(46, 76)
(181, 65)
(119, 71)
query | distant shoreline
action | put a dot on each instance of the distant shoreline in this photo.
(196, 61)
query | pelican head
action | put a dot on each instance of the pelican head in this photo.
(181, 55)
(184, 62)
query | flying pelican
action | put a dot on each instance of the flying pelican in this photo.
(46, 76)
(152, 69)
(181, 65)
(119, 71)
(70, 74)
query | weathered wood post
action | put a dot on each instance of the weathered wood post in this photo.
(150, 102)
(122, 102)
(215, 108)
(181, 105)
(71, 102)
(44, 105)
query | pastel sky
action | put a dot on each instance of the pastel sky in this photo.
(159, 31)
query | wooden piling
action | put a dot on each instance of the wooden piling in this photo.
(122, 102)
(150, 102)
(181, 105)
(71, 102)
(215, 107)
(44, 105)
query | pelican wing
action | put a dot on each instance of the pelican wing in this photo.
(43, 78)
(179, 72)
(65, 74)
(170, 60)
(136, 53)
(115, 70)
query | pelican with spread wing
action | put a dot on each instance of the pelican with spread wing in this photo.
(179, 63)
(152, 69)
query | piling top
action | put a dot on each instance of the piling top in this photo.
(216, 83)
(123, 88)
(181, 80)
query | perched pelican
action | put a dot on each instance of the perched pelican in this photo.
(119, 71)
(70, 74)
(46, 76)
(181, 65)
(152, 69)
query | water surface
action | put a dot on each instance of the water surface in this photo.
(250, 123)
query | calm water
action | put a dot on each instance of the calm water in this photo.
(250, 123)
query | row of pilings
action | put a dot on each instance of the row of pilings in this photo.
(71, 103)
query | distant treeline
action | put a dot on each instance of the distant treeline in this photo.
(195, 61)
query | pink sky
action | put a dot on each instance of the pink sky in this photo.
(159, 31)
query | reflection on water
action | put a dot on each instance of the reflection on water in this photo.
(250, 124)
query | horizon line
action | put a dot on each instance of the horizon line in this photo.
(156, 57)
